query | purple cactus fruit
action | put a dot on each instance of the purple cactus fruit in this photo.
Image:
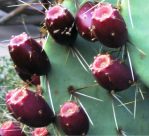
(110, 27)
(29, 107)
(10, 128)
(41, 132)
(27, 77)
(60, 24)
(27, 54)
(73, 120)
(84, 21)
(111, 73)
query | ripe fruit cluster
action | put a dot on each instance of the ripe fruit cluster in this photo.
(31, 109)
(94, 22)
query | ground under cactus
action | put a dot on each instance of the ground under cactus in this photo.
(110, 111)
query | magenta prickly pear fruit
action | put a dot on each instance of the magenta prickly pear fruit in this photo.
(73, 119)
(41, 132)
(29, 108)
(111, 73)
(109, 25)
(10, 128)
(27, 54)
(27, 77)
(60, 24)
(84, 21)
(0, 132)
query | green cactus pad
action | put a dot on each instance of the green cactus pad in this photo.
(138, 34)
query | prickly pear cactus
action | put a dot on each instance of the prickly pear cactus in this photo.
(107, 114)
